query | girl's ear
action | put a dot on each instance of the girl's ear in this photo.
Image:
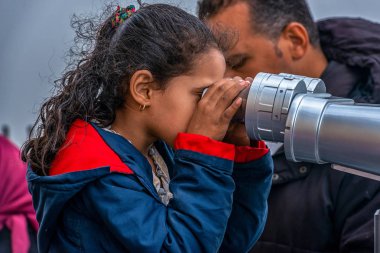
(141, 87)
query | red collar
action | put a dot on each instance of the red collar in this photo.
(84, 149)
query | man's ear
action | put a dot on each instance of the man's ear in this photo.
(297, 40)
(141, 87)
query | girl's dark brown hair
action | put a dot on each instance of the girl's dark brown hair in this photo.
(160, 38)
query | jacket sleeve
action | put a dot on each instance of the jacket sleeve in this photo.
(253, 177)
(195, 219)
(357, 201)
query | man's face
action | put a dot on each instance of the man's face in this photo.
(251, 53)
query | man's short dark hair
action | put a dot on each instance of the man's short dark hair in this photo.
(269, 17)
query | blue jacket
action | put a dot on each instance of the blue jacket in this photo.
(99, 196)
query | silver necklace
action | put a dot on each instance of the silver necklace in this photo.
(109, 129)
(163, 187)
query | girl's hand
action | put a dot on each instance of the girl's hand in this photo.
(216, 108)
(236, 133)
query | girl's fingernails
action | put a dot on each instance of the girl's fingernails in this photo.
(243, 83)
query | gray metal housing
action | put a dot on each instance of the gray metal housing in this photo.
(313, 125)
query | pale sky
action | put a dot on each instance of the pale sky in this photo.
(35, 36)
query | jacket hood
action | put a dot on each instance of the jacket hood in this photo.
(354, 42)
(51, 193)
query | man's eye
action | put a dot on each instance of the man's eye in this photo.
(237, 64)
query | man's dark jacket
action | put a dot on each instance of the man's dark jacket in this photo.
(313, 208)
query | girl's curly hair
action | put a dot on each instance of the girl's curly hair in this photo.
(160, 38)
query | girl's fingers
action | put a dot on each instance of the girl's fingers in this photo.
(222, 93)
(231, 94)
(216, 91)
(237, 78)
(249, 79)
(217, 107)
(232, 109)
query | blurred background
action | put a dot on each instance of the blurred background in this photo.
(36, 35)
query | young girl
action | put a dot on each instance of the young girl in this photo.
(129, 156)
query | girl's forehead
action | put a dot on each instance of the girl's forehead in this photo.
(210, 63)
